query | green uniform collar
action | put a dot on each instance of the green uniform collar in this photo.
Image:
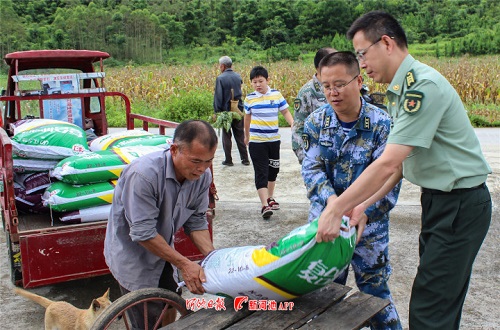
(399, 80)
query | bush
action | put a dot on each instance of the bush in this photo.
(183, 105)
(283, 51)
(178, 107)
(479, 121)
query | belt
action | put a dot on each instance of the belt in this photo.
(454, 191)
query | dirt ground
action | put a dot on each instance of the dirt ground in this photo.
(238, 223)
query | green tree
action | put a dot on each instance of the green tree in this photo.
(13, 34)
(145, 31)
(175, 30)
(326, 18)
(274, 33)
(248, 20)
(192, 27)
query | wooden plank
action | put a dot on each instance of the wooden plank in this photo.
(210, 318)
(304, 309)
(350, 313)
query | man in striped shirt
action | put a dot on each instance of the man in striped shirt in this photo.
(262, 135)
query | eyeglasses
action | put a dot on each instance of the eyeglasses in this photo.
(360, 55)
(339, 87)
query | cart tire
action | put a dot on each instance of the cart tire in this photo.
(115, 313)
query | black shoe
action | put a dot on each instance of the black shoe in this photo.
(266, 212)
(245, 162)
(227, 163)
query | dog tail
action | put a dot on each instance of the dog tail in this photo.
(36, 298)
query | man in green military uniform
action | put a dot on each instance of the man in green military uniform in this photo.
(435, 146)
(310, 98)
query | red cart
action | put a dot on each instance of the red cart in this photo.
(41, 251)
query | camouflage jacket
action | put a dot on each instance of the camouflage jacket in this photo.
(333, 160)
(310, 98)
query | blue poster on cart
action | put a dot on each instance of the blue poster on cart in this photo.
(69, 110)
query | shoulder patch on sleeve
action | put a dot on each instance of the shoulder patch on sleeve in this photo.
(412, 101)
(317, 87)
(305, 139)
(296, 104)
(410, 78)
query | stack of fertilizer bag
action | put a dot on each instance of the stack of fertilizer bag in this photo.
(294, 265)
(82, 181)
(37, 146)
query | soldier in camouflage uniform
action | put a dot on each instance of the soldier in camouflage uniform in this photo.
(310, 98)
(339, 143)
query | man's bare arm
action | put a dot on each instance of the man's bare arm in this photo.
(386, 188)
(373, 178)
(192, 273)
(201, 239)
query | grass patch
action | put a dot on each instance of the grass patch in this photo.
(482, 115)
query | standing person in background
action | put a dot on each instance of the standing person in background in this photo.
(262, 136)
(433, 139)
(340, 140)
(309, 98)
(227, 80)
(156, 195)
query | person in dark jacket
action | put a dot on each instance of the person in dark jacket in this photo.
(227, 80)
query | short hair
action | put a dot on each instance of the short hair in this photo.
(322, 52)
(226, 61)
(377, 23)
(195, 129)
(346, 58)
(258, 71)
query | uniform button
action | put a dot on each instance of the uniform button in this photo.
(393, 103)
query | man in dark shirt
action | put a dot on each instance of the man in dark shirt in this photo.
(227, 80)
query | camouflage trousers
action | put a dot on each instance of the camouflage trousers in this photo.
(372, 270)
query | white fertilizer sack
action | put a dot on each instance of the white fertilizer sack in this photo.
(47, 139)
(288, 268)
(90, 214)
(98, 166)
(129, 138)
(63, 197)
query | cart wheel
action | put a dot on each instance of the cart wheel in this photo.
(114, 317)
(14, 253)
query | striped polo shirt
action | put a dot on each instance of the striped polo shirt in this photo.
(264, 109)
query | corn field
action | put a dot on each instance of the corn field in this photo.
(476, 79)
